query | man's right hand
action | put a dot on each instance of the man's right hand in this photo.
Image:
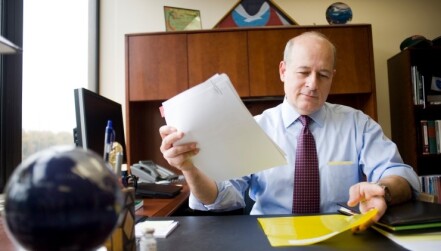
(178, 156)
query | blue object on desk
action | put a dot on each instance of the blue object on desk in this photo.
(62, 198)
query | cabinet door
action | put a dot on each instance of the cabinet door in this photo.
(156, 66)
(266, 51)
(219, 52)
(354, 62)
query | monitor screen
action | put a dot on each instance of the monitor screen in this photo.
(92, 113)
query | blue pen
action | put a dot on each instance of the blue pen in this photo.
(109, 138)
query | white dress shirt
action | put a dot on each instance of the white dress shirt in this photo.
(351, 147)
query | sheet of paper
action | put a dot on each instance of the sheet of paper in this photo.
(232, 143)
(307, 230)
(428, 241)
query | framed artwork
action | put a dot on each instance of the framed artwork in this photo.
(177, 19)
(248, 13)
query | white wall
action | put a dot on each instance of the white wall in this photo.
(392, 21)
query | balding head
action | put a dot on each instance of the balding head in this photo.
(309, 35)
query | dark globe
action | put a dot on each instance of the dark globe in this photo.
(62, 198)
(338, 13)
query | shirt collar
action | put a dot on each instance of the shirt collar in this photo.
(290, 115)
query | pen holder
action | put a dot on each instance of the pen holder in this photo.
(123, 237)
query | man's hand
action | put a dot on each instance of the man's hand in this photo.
(177, 156)
(202, 187)
(368, 196)
(371, 195)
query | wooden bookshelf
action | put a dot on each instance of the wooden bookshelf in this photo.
(406, 116)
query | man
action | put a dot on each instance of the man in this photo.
(351, 147)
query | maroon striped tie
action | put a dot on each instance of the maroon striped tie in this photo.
(306, 197)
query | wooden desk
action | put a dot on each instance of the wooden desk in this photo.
(164, 207)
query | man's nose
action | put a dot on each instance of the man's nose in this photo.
(311, 81)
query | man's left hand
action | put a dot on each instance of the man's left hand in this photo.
(367, 196)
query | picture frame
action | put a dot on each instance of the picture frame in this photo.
(251, 13)
(177, 19)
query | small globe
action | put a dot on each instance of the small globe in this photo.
(338, 13)
(62, 198)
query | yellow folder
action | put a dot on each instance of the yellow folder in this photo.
(306, 230)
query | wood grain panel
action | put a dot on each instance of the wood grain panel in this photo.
(221, 52)
(156, 66)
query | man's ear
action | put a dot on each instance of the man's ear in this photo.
(333, 73)
(282, 69)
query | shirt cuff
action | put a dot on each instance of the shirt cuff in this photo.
(228, 198)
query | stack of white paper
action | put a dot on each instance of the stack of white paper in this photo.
(232, 143)
(162, 228)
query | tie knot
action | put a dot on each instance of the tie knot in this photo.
(305, 120)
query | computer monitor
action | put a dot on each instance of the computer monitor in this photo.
(92, 113)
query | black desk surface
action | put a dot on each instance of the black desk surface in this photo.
(243, 232)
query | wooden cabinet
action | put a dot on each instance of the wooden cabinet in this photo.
(210, 53)
(160, 65)
(158, 75)
(355, 73)
(406, 116)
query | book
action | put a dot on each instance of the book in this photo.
(434, 98)
(431, 184)
(421, 93)
(418, 87)
(431, 136)
(411, 215)
(438, 135)
(413, 72)
(424, 137)
(162, 228)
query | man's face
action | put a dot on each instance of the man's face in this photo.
(307, 76)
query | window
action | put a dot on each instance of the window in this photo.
(59, 39)
(11, 16)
